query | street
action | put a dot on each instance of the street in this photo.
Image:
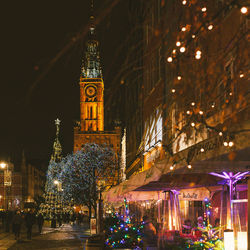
(65, 237)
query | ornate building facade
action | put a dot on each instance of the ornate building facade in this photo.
(90, 128)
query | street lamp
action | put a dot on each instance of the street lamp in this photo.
(3, 165)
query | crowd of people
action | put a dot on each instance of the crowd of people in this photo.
(14, 221)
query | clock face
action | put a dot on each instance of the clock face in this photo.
(90, 91)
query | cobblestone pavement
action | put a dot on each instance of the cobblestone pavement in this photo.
(64, 238)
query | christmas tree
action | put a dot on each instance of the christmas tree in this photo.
(121, 233)
(53, 207)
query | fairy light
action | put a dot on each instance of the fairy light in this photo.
(188, 112)
(170, 59)
(179, 78)
(189, 166)
(173, 90)
(174, 51)
(182, 49)
(210, 27)
(184, 2)
(243, 10)
(192, 124)
(192, 103)
(213, 105)
(230, 93)
(198, 54)
(204, 9)
(241, 75)
(220, 134)
(183, 29)
(225, 143)
(178, 43)
(171, 167)
(202, 150)
(201, 112)
(193, 36)
(230, 144)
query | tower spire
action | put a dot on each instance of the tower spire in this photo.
(57, 148)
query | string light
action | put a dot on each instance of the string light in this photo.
(178, 43)
(230, 93)
(173, 90)
(179, 78)
(182, 49)
(184, 2)
(202, 149)
(193, 36)
(183, 29)
(230, 144)
(174, 51)
(204, 9)
(198, 54)
(225, 143)
(220, 134)
(243, 10)
(241, 75)
(201, 112)
(189, 166)
(170, 59)
(171, 167)
(213, 105)
(188, 112)
(192, 124)
(210, 27)
(192, 103)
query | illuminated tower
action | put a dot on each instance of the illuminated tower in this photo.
(91, 87)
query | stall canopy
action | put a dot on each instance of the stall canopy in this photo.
(160, 177)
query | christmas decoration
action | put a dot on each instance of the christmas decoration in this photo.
(122, 233)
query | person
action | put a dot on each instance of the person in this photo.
(200, 222)
(186, 227)
(29, 219)
(40, 221)
(149, 234)
(17, 222)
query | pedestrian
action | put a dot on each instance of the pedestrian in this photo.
(186, 227)
(40, 221)
(29, 219)
(17, 222)
(149, 234)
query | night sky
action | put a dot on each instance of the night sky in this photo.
(32, 33)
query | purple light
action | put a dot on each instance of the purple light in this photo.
(206, 199)
(126, 229)
(122, 225)
(208, 212)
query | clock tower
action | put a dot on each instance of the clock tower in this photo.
(90, 128)
(91, 87)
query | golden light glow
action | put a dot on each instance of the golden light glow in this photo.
(56, 182)
(192, 103)
(241, 75)
(202, 149)
(192, 124)
(182, 49)
(204, 9)
(210, 27)
(178, 43)
(230, 144)
(188, 112)
(193, 36)
(220, 134)
(225, 143)
(179, 78)
(3, 165)
(189, 166)
(170, 59)
(184, 2)
(183, 29)
(201, 112)
(171, 167)
(243, 10)
(173, 90)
